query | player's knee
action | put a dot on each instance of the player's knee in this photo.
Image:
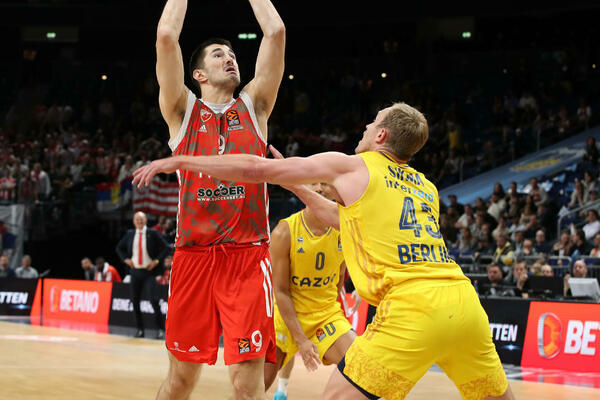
(181, 383)
(246, 388)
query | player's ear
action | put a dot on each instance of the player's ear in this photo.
(200, 76)
(381, 136)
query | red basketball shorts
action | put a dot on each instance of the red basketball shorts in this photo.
(223, 289)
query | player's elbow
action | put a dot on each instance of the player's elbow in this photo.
(275, 31)
(166, 37)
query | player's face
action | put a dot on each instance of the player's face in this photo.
(220, 66)
(367, 143)
(324, 190)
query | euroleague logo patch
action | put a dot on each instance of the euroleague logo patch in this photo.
(244, 345)
(233, 120)
(320, 334)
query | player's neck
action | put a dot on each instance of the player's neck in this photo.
(216, 95)
(315, 225)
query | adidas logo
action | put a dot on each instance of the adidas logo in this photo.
(193, 349)
(301, 250)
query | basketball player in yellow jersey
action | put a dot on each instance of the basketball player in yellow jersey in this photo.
(427, 310)
(307, 263)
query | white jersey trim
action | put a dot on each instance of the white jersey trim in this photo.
(191, 100)
(248, 101)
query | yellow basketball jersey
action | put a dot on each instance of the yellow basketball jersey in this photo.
(314, 266)
(391, 234)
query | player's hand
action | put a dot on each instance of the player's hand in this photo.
(143, 175)
(357, 300)
(129, 262)
(310, 355)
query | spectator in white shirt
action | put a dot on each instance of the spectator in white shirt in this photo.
(26, 270)
(592, 227)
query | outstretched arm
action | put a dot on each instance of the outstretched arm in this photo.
(280, 256)
(269, 62)
(322, 167)
(169, 65)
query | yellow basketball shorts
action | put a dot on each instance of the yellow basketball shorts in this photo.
(413, 329)
(322, 328)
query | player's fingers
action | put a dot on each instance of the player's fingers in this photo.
(275, 152)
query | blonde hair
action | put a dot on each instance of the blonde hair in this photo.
(407, 129)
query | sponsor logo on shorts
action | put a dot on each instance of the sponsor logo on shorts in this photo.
(320, 334)
(282, 337)
(300, 250)
(222, 192)
(244, 345)
(176, 348)
(193, 349)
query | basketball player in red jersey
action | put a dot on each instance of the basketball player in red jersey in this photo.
(221, 274)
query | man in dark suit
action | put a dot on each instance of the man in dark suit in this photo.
(142, 249)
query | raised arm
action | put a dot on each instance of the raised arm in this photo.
(280, 257)
(263, 88)
(169, 65)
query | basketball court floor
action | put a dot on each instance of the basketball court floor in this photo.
(50, 363)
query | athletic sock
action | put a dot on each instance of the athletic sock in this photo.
(282, 385)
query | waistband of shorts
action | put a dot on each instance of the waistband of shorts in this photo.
(413, 285)
(225, 247)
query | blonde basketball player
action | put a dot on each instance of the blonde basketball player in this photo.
(308, 262)
(427, 310)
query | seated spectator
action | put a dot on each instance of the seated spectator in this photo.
(504, 253)
(514, 208)
(165, 278)
(592, 226)
(466, 242)
(106, 272)
(580, 245)
(26, 271)
(496, 207)
(527, 250)
(501, 229)
(589, 184)
(595, 252)
(517, 277)
(518, 239)
(578, 196)
(466, 219)
(160, 224)
(591, 152)
(89, 269)
(547, 270)
(454, 203)
(592, 197)
(541, 246)
(531, 227)
(499, 190)
(5, 270)
(563, 246)
(546, 219)
(537, 192)
(580, 270)
(483, 247)
(495, 285)
(512, 190)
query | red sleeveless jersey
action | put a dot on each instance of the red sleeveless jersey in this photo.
(212, 211)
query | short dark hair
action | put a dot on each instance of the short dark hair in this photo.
(197, 58)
